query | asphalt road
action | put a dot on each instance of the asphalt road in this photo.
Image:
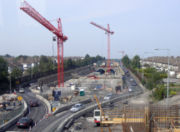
(35, 113)
(51, 123)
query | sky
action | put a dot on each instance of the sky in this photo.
(139, 26)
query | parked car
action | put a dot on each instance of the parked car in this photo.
(21, 90)
(34, 103)
(77, 107)
(24, 122)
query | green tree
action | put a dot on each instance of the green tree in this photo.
(160, 92)
(70, 64)
(3, 75)
(136, 62)
(16, 73)
(3, 69)
(46, 64)
(126, 61)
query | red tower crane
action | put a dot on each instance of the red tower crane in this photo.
(57, 31)
(108, 32)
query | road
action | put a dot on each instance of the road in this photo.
(35, 113)
(52, 122)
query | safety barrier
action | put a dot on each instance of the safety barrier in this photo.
(66, 107)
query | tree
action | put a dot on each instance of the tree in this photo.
(126, 61)
(159, 93)
(46, 64)
(3, 75)
(70, 64)
(3, 69)
(16, 73)
(136, 62)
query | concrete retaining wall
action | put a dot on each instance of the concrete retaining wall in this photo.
(11, 122)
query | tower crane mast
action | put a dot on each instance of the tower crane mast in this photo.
(57, 31)
(109, 32)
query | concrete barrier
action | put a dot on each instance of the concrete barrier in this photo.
(46, 102)
(11, 122)
(66, 107)
(90, 108)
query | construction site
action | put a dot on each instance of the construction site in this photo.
(88, 94)
(124, 117)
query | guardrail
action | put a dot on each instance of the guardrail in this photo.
(68, 121)
(16, 118)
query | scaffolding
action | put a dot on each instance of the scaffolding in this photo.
(142, 118)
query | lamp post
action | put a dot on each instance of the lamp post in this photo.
(168, 50)
(10, 70)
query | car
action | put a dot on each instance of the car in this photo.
(21, 90)
(108, 96)
(130, 90)
(125, 102)
(77, 107)
(24, 122)
(133, 83)
(34, 103)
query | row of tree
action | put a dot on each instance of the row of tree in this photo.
(131, 63)
(149, 76)
(48, 64)
(45, 64)
(3, 75)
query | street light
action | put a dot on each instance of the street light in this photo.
(168, 50)
(9, 70)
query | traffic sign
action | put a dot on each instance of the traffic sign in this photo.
(19, 98)
(17, 82)
(53, 109)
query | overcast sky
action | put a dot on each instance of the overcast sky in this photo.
(139, 26)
